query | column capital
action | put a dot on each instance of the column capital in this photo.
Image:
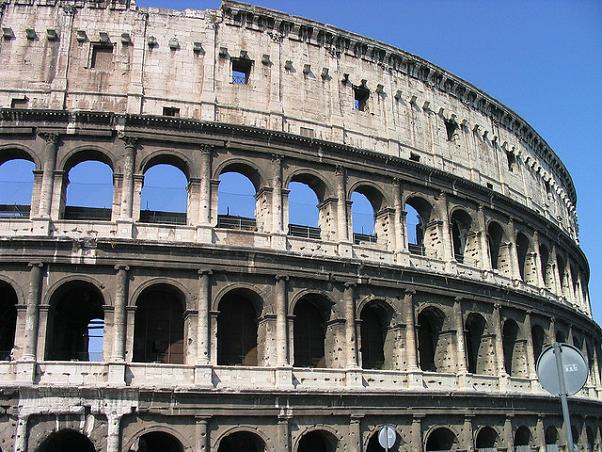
(277, 158)
(204, 272)
(409, 291)
(339, 170)
(497, 306)
(128, 140)
(35, 264)
(282, 277)
(206, 149)
(458, 299)
(350, 285)
(124, 267)
(50, 137)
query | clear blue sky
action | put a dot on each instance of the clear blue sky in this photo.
(543, 59)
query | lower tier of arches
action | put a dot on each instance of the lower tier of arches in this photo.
(126, 420)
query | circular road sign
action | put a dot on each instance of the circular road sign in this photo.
(574, 367)
(387, 436)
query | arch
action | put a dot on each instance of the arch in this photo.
(161, 201)
(159, 325)
(84, 153)
(241, 441)
(363, 218)
(522, 439)
(523, 246)
(486, 439)
(430, 351)
(551, 436)
(88, 171)
(66, 440)
(304, 209)
(75, 329)
(13, 151)
(495, 238)
(441, 439)
(61, 284)
(561, 264)
(167, 157)
(8, 320)
(560, 336)
(377, 337)
(315, 292)
(317, 440)
(158, 428)
(237, 327)
(182, 291)
(418, 214)
(156, 441)
(512, 354)
(16, 187)
(245, 167)
(591, 438)
(372, 192)
(546, 268)
(310, 327)
(313, 180)
(464, 242)
(476, 354)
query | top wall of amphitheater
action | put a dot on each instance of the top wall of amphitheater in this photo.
(302, 80)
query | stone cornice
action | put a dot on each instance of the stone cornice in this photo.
(341, 41)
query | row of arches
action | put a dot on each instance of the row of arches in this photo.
(75, 330)
(241, 199)
(438, 439)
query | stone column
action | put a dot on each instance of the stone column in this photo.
(202, 433)
(342, 224)
(538, 267)
(400, 227)
(484, 260)
(595, 377)
(283, 434)
(127, 186)
(468, 436)
(530, 351)
(557, 270)
(205, 192)
(21, 434)
(281, 321)
(203, 307)
(119, 314)
(461, 349)
(278, 237)
(114, 432)
(448, 249)
(416, 432)
(355, 434)
(411, 343)
(350, 333)
(512, 254)
(541, 434)
(42, 222)
(32, 312)
(499, 341)
(508, 437)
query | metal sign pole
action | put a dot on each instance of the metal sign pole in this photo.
(563, 398)
(387, 445)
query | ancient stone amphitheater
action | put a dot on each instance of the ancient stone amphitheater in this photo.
(228, 333)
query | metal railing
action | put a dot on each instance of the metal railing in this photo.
(161, 358)
(308, 232)
(236, 222)
(157, 216)
(87, 213)
(239, 78)
(14, 211)
(414, 248)
(369, 238)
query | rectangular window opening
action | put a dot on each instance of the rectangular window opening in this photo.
(490, 185)
(360, 98)
(241, 71)
(102, 57)
(307, 132)
(414, 157)
(171, 111)
(511, 161)
(19, 103)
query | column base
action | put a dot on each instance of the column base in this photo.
(451, 267)
(25, 372)
(354, 379)
(463, 379)
(125, 229)
(203, 376)
(345, 250)
(415, 380)
(278, 241)
(117, 373)
(284, 378)
(402, 258)
(41, 226)
(204, 234)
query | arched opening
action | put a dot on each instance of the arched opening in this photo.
(159, 326)
(562, 275)
(547, 270)
(551, 436)
(538, 337)
(88, 190)
(363, 218)
(463, 240)
(237, 332)
(303, 210)
(417, 216)
(311, 316)
(66, 440)
(317, 441)
(157, 442)
(522, 439)
(238, 200)
(16, 187)
(560, 337)
(591, 439)
(477, 345)
(164, 197)
(8, 320)
(495, 236)
(522, 250)
(486, 440)
(431, 352)
(241, 442)
(441, 439)
(377, 338)
(512, 353)
(374, 445)
(75, 323)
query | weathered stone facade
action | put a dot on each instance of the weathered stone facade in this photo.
(438, 337)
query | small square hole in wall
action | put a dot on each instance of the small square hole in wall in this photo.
(360, 98)
(171, 111)
(241, 70)
(102, 57)
(546, 184)
(490, 185)
(414, 157)
(307, 132)
(511, 161)
(19, 103)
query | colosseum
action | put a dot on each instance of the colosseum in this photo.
(128, 328)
